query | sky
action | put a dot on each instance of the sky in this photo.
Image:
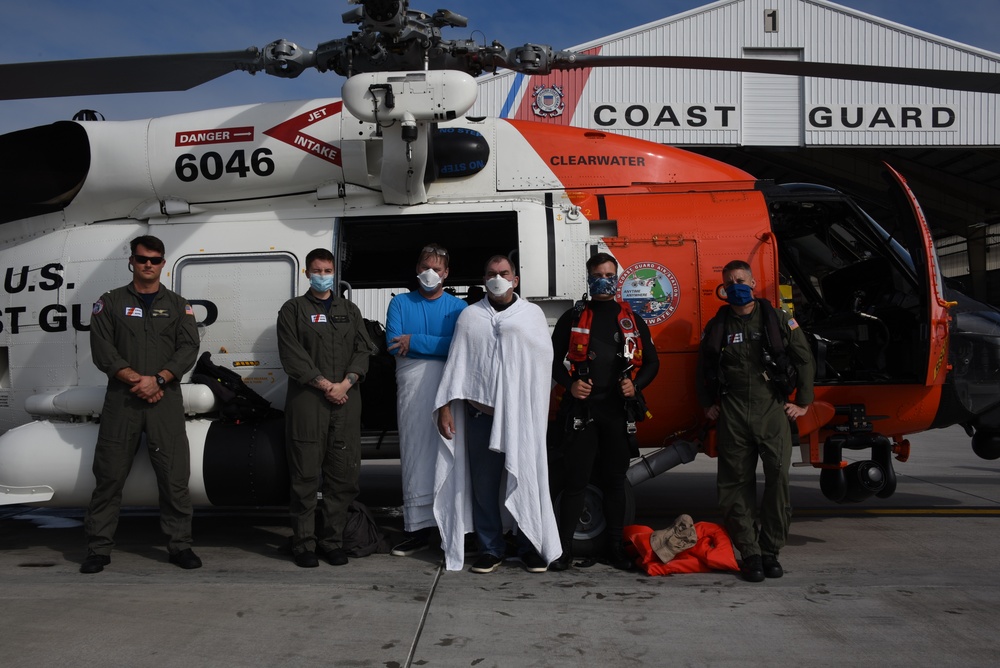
(41, 30)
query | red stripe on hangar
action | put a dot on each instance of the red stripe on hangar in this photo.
(214, 136)
(565, 88)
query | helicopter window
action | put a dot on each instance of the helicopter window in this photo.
(265, 279)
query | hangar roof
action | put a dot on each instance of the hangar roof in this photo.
(790, 129)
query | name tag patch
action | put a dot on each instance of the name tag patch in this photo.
(318, 317)
(133, 311)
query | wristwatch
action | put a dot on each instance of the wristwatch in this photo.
(160, 380)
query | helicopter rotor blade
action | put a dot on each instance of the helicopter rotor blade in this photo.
(976, 82)
(131, 74)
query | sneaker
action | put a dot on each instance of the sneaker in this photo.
(751, 568)
(306, 559)
(186, 559)
(411, 545)
(94, 563)
(487, 563)
(534, 563)
(770, 566)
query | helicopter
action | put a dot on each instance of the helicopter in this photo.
(239, 195)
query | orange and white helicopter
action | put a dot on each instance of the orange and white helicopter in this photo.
(240, 195)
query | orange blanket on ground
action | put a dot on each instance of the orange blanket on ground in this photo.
(713, 551)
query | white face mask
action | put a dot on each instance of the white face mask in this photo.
(498, 286)
(429, 279)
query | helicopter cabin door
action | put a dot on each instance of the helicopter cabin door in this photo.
(236, 297)
(912, 232)
(659, 249)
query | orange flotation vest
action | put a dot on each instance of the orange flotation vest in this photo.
(579, 335)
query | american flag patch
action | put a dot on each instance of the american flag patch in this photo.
(792, 324)
(318, 317)
(188, 310)
(133, 311)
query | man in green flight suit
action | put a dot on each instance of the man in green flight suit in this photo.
(324, 349)
(736, 387)
(144, 337)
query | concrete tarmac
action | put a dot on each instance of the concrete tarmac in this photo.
(911, 580)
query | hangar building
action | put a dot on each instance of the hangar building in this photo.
(800, 129)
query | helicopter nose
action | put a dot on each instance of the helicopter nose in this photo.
(971, 395)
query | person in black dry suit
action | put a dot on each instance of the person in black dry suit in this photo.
(603, 357)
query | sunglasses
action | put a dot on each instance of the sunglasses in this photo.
(436, 251)
(143, 259)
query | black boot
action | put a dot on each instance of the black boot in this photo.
(618, 557)
(563, 563)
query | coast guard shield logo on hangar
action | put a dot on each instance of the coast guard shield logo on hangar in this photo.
(651, 290)
(548, 101)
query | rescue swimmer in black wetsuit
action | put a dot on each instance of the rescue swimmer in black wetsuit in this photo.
(603, 357)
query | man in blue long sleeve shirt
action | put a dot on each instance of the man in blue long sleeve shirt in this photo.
(419, 327)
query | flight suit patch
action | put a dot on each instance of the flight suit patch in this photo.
(317, 317)
(133, 311)
(341, 318)
(160, 313)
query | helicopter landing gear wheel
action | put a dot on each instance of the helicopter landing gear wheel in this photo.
(986, 444)
(590, 537)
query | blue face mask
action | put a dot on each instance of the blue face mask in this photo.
(599, 285)
(321, 282)
(739, 294)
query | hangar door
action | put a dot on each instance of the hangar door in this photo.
(772, 103)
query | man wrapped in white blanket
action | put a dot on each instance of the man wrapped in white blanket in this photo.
(492, 409)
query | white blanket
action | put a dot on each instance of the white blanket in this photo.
(504, 360)
(416, 381)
